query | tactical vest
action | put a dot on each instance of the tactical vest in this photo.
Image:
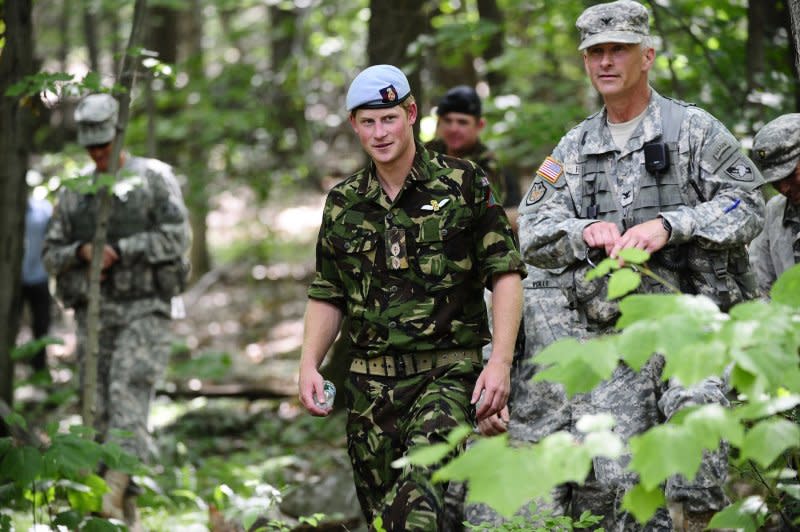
(722, 275)
(132, 280)
(657, 193)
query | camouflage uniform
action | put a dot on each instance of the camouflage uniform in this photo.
(711, 201)
(776, 149)
(409, 274)
(481, 155)
(148, 227)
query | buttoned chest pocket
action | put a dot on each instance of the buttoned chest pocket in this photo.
(444, 253)
(355, 252)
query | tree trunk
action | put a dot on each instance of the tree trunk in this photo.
(16, 62)
(392, 27)
(756, 22)
(196, 196)
(103, 197)
(90, 34)
(794, 13)
(489, 11)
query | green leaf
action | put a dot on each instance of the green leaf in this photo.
(786, 290)
(663, 451)
(579, 366)
(29, 349)
(770, 407)
(711, 423)
(69, 519)
(459, 434)
(622, 282)
(638, 342)
(768, 439)
(86, 496)
(697, 361)
(634, 255)
(771, 364)
(22, 465)
(424, 455)
(506, 478)
(70, 454)
(793, 490)
(643, 503)
(637, 307)
(747, 515)
(14, 419)
(602, 269)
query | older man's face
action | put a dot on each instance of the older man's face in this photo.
(617, 70)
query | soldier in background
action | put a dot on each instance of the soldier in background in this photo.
(144, 266)
(651, 173)
(402, 251)
(776, 150)
(35, 287)
(458, 128)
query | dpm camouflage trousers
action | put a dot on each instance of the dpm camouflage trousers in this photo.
(388, 416)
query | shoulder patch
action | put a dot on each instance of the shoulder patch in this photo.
(550, 170)
(740, 171)
(536, 193)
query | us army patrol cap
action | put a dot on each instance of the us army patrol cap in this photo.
(460, 99)
(96, 116)
(776, 147)
(378, 87)
(623, 21)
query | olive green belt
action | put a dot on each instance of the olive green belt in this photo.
(412, 363)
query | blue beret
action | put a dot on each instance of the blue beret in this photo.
(378, 87)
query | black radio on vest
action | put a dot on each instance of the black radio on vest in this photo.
(656, 157)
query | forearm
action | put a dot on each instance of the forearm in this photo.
(550, 245)
(506, 315)
(733, 216)
(322, 323)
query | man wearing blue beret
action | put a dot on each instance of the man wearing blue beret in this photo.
(405, 248)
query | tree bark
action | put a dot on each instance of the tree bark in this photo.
(794, 13)
(90, 35)
(489, 11)
(16, 62)
(103, 197)
(197, 170)
(392, 27)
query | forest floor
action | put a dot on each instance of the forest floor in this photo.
(232, 443)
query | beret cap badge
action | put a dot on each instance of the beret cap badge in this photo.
(388, 94)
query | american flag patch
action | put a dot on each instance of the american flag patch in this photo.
(550, 170)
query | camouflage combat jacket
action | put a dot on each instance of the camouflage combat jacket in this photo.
(410, 273)
(776, 249)
(481, 155)
(709, 197)
(149, 228)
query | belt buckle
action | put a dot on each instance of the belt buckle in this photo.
(400, 366)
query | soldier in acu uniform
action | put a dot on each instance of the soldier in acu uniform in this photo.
(776, 149)
(656, 174)
(144, 266)
(405, 248)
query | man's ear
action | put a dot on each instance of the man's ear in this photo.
(412, 113)
(352, 119)
(649, 58)
(481, 123)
